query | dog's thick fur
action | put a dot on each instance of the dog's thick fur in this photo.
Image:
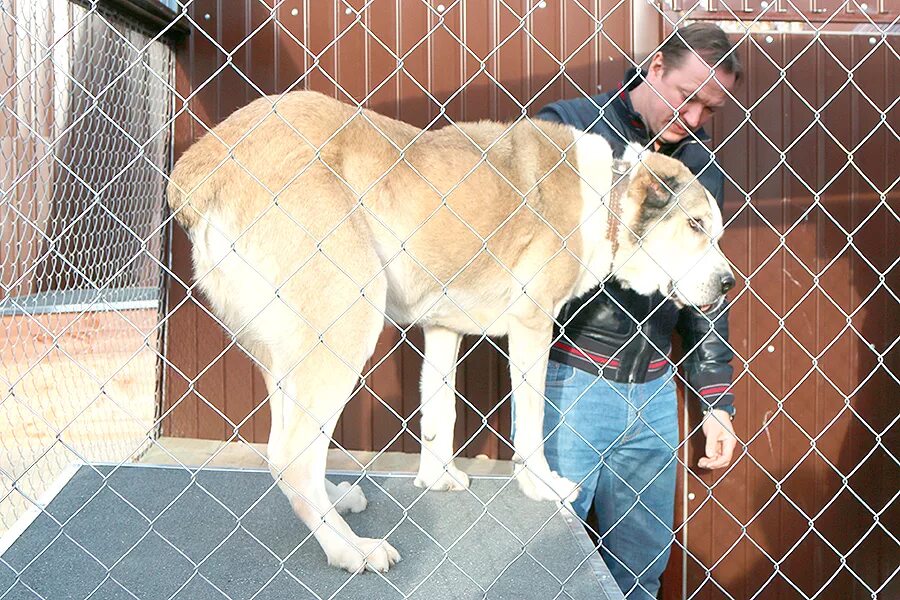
(311, 221)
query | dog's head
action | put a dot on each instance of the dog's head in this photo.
(669, 238)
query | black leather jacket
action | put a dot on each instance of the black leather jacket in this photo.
(613, 331)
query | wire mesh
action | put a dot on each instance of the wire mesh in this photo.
(87, 111)
(86, 107)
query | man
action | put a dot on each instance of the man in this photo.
(611, 414)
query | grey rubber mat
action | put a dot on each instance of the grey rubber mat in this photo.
(158, 533)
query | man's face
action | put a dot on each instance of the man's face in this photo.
(682, 88)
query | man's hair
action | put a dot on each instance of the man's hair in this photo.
(709, 42)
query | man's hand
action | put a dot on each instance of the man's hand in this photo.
(720, 440)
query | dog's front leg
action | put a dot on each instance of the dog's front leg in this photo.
(438, 385)
(529, 347)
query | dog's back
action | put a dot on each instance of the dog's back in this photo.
(271, 143)
(426, 202)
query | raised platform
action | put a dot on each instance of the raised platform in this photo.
(167, 532)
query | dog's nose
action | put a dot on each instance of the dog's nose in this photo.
(727, 282)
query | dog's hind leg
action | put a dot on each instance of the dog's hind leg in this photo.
(529, 347)
(319, 333)
(305, 408)
(345, 497)
(438, 406)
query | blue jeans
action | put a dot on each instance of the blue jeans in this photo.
(618, 440)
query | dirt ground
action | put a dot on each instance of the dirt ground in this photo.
(72, 387)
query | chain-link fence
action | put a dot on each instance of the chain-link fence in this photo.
(85, 146)
(94, 106)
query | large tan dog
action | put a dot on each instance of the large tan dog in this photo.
(312, 222)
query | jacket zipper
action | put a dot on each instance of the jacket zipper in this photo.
(642, 349)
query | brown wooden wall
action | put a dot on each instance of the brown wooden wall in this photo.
(814, 323)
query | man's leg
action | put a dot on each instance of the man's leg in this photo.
(582, 417)
(635, 497)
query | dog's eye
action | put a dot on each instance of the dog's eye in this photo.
(695, 224)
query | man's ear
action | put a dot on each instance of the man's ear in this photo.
(657, 66)
(660, 191)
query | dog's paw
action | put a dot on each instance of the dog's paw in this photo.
(350, 498)
(546, 485)
(437, 478)
(365, 554)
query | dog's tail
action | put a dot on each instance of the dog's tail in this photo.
(192, 187)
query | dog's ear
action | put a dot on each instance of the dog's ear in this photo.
(660, 191)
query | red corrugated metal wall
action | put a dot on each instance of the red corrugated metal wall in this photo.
(814, 330)
(814, 324)
(509, 63)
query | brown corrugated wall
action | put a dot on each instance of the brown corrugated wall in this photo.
(817, 326)
(276, 59)
(814, 324)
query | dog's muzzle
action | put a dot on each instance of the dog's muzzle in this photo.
(715, 306)
(705, 308)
